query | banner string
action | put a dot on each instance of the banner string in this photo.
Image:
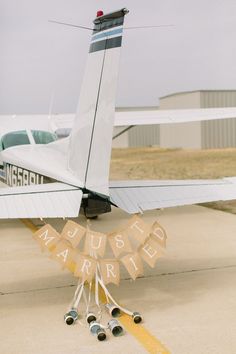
(76, 293)
(86, 301)
(89, 298)
(41, 219)
(76, 304)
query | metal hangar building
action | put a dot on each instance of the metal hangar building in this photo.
(195, 135)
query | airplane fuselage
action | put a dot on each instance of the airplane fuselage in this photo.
(15, 176)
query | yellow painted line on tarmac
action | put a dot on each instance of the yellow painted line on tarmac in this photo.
(139, 332)
(28, 223)
(145, 338)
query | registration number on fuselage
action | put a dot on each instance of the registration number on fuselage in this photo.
(17, 176)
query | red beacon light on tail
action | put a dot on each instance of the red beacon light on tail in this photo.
(99, 13)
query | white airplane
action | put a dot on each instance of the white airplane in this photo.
(73, 173)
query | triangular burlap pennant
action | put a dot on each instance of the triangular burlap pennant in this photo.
(64, 253)
(47, 237)
(73, 233)
(110, 271)
(138, 229)
(133, 264)
(159, 234)
(95, 243)
(119, 243)
(85, 267)
(150, 252)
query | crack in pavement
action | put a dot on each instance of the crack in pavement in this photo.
(38, 289)
(190, 271)
(125, 279)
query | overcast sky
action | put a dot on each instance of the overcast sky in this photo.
(39, 59)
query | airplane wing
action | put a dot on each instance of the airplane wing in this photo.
(63, 125)
(155, 116)
(51, 200)
(138, 196)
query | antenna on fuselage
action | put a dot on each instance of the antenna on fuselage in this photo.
(52, 124)
(91, 29)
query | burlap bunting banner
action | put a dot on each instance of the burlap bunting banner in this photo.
(95, 243)
(150, 252)
(138, 229)
(159, 234)
(119, 243)
(64, 253)
(47, 237)
(133, 264)
(85, 267)
(64, 249)
(73, 233)
(110, 271)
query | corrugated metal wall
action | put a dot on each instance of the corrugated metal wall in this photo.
(208, 135)
(183, 135)
(145, 135)
(218, 134)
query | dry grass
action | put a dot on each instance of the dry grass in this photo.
(156, 163)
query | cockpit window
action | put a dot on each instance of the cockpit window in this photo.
(15, 138)
(42, 137)
(21, 138)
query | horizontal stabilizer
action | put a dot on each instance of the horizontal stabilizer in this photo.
(52, 200)
(138, 196)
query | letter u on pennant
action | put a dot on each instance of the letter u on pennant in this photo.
(95, 243)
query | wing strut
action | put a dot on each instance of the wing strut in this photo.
(122, 132)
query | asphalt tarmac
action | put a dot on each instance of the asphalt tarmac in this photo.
(188, 301)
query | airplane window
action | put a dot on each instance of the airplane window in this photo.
(15, 138)
(42, 137)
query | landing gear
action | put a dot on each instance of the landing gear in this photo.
(93, 205)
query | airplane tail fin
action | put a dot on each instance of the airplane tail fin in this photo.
(91, 135)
